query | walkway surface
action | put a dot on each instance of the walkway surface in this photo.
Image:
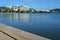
(10, 33)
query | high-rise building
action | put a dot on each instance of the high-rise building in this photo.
(25, 8)
(15, 8)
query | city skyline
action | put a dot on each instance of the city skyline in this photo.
(36, 4)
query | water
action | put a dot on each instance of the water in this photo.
(46, 25)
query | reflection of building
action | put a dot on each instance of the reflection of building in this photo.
(24, 17)
(18, 17)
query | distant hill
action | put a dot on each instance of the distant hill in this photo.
(55, 10)
(2, 7)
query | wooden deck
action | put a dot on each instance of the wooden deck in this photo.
(10, 33)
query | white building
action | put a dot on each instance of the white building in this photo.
(46, 10)
(15, 8)
(25, 8)
(9, 7)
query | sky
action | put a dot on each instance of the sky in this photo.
(36, 4)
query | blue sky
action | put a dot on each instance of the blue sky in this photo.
(36, 4)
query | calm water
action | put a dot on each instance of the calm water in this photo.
(47, 25)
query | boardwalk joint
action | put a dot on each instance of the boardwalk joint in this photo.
(8, 35)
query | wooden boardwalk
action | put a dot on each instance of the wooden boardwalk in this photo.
(10, 33)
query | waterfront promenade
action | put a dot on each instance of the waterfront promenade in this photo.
(10, 33)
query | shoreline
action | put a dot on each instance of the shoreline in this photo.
(30, 13)
(20, 34)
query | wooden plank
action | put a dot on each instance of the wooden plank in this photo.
(4, 37)
(19, 34)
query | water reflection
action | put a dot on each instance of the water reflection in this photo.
(24, 17)
(47, 25)
(15, 17)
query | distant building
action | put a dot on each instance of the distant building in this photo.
(25, 8)
(46, 10)
(15, 8)
(9, 7)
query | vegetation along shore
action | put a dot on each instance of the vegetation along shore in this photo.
(25, 9)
